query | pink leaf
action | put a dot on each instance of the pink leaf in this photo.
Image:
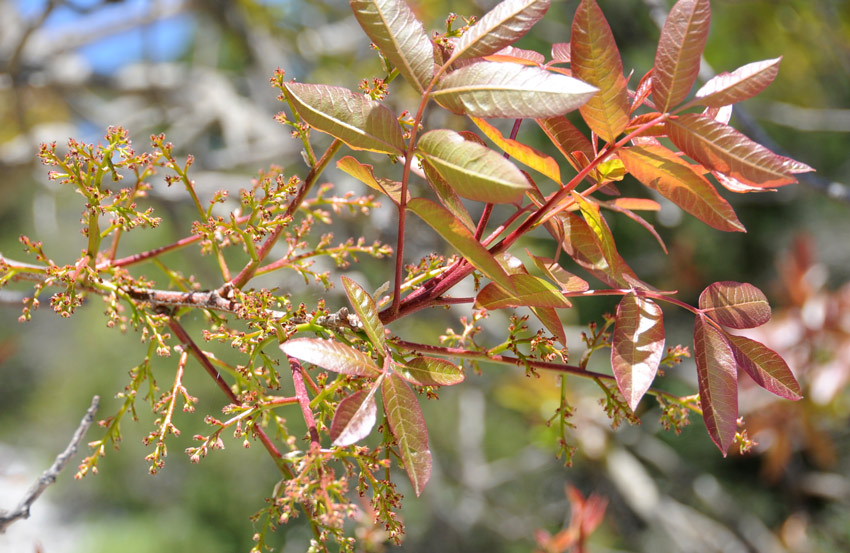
(735, 304)
(765, 367)
(679, 50)
(331, 355)
(739, 85)
(354, 418)
(408, 427)
(718, 384)
(637, 346)
(721, 148)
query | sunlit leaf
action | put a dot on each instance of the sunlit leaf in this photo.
(354, 418)
(527, 290)
(735, 304)
(447, 195)
(365, 308)
(429, 371)
(635, 204)
(461, 238)
(408, 427)
(738, 187)
(365, 174)
(561, 52)
(527, 155)
(565, 279)
(637, 346)
(517, 55)
(500, 27)
(583, 246)
(718, 383)
(394, 28)
(723, 149)
(493, 89)
(613, 205)
(473, 171)
(642, 91)
(680, 47)
(661, 170)
(595, 60)
(597, 224)
(658, 128)
(739, 85)
(765, 367)
(331, 355)
(360, 122)
(567, 138)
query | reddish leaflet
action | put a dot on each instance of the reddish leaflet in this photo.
(473, 72)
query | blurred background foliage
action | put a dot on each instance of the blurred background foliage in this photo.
(199, 70)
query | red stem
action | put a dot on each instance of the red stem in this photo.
(304, 400)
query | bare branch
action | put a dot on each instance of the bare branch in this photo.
(49, 476)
